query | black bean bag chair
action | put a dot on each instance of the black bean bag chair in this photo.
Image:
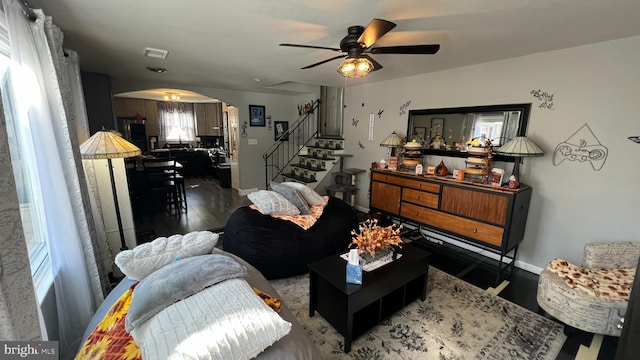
(280, 248)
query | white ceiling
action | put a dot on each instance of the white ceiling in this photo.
(230, 44)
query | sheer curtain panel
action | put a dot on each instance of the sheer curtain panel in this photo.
(177, 123)
(42, 101)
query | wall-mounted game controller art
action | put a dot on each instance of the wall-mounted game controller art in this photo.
(582, 146)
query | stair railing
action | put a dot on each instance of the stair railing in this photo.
(290, 143)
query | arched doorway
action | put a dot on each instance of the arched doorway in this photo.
(211, 125)
(209, 202)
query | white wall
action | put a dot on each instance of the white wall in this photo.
(572, 204)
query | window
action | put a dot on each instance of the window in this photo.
(25, 170)
(489, 126)
(177, 122)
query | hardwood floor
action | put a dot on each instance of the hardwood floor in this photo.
(522, 290)
(210, 205)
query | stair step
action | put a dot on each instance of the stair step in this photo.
(324, 147)
(298, 178)
(319, 158)
(327, 143)
(311, 168)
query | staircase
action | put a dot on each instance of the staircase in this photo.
(312, 165)
(301, 155)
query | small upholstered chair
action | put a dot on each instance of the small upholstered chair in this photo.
(580, 309)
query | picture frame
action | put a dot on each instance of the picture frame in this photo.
(280, 128)
(497, 175)
(437, 125)
(256, 115)
(420, 131)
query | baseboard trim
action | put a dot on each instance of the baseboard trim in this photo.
(246, 192)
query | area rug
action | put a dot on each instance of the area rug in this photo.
(456, 321)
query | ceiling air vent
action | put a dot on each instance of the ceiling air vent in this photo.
(156, 53)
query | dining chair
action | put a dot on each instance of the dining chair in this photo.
(163, 183)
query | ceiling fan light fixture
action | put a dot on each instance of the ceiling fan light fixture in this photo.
(170, 96)
(355, 67)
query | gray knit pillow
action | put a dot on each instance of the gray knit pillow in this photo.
(294, 196)
(312, 197)
(270, 202)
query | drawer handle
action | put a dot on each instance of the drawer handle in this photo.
(475, 230)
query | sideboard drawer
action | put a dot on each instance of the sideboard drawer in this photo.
(416, 184)
(483, 206)
(472, 229)
(420, 197)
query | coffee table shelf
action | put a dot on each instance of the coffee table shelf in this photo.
(353, 309)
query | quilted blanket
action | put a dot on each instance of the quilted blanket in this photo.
(613, 283)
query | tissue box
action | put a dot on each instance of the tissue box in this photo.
(354, 274)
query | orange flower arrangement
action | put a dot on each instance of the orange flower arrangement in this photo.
(371, 237)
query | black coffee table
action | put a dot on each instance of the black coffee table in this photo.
(353, 309)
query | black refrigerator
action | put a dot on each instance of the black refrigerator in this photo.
(134, 131)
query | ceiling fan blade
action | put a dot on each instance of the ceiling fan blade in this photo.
(374, 31)
(324, 61)
(406, 49)
(311, 47)
(376, 65)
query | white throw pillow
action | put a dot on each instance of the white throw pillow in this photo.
(149, 257)
(225, 321)
(270, 202)
(312, 197)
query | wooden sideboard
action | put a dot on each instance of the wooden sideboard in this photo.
(488, 217)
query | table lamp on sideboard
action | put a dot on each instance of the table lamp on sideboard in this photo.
(519, 147)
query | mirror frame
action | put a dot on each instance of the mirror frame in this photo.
(525, 110)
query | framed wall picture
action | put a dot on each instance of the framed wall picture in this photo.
(256, 113)
(420, 131)
(281, 127)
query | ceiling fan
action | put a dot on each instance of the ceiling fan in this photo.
(358, 43)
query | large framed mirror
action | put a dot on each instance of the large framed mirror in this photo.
(446, 131)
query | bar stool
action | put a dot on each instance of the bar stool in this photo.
(161, 176)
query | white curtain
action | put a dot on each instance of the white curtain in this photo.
(177, 123)
(43, 97)
(18, 307)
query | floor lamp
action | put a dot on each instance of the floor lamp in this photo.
(107, 144)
